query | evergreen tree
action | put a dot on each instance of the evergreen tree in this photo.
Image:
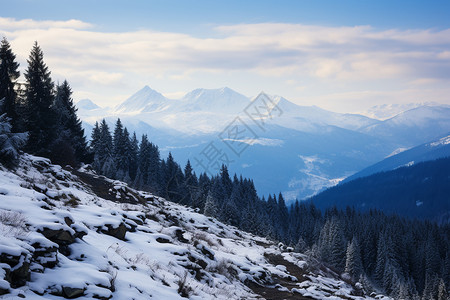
(134, 152)
(95, 146)
(230, 212)
(121, 142)
(104, 155)
(442, 291)
(353, 264)
(40, 119)
(144, 162)
(283, 217)
(211, 206)
(10, 143)
(71, 139)
(190, 185)
(8, 76)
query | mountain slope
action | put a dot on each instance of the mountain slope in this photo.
(429, 151)
(418, 191)
(84, 236)
(413, 127)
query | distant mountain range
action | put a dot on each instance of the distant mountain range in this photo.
(299, 150)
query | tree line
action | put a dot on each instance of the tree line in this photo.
(41, 108)
(405, 258)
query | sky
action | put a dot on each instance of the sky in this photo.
(345, 56)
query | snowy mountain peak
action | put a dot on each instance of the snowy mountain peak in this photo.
(87, 104)
(145, 100)
(215, 100)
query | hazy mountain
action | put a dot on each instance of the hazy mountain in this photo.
(413, 127)
(387, 111)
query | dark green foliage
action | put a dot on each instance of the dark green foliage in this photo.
(70, 139)
(8, 76)
(10, 143)
(40, 117)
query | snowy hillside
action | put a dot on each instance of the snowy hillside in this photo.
(78, 235)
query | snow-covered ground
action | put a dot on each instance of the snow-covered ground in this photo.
(60, 239)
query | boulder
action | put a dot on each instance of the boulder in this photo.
(72, 293)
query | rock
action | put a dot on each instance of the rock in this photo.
(19, 272)
(162, 240)
(72, 293)
(207, 252)
(46, 256)
(179, 235)
(118, 232)
(58, 236)
(61, 237)
(21, 275)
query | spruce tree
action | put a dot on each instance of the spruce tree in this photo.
(10, 143)
(8, 76)
(70, 131)
(353, 264)
(40, 118)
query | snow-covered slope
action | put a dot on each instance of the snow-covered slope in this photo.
(84, 236)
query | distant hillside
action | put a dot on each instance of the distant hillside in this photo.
(419, 191)
(425, 152)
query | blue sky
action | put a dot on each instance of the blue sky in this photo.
(340, 55)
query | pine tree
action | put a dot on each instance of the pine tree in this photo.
(442, 291)
(211, 206)
(230, 212)
(105, 162)
(144, 162)
(10, 143)
(8, 76)
(71, 137)
(283, 217)
(134, 152)
(353, 264)
(190, 185)
(120, 152)
(40, 119)
(95, 146)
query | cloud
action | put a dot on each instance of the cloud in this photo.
(321, 54)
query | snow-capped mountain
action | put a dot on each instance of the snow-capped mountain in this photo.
(66, 236)
(145, 100)
(86, 104)
(413, 127)
(387, 111)
(223, 100)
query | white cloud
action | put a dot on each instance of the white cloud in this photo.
(314, 55)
